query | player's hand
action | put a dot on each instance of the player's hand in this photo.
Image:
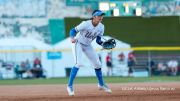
(73, 40)
(109, 44)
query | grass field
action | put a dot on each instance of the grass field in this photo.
(83, 80)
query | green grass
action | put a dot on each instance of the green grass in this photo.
(87, 80)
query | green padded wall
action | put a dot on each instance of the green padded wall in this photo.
(138, 31)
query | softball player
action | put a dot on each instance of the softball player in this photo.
(87, 31)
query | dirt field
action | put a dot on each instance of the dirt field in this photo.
(89, 92)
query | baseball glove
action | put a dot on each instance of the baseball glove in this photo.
(109, 44)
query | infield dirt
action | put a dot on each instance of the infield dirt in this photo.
(88, 92)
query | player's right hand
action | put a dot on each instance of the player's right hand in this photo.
(73, 40)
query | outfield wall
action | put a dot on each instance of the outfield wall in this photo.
(138, 31)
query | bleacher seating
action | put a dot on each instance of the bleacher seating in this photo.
(58, 9)
(34, 23)
(142, 60)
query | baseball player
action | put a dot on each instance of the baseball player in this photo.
(87, 31)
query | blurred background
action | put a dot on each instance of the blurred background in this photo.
(34, 37)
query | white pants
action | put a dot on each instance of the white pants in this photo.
(78, 49)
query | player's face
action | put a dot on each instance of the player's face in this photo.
(98, 19)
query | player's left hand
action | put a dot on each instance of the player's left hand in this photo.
(109, 44)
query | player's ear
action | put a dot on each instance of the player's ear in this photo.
(93, 17)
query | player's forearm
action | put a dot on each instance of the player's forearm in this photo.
(72, 33)
(98, 40)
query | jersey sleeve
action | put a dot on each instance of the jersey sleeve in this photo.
(81, 26)
(100, 36)
(101, 33)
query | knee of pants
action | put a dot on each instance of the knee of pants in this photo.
(97, 65)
